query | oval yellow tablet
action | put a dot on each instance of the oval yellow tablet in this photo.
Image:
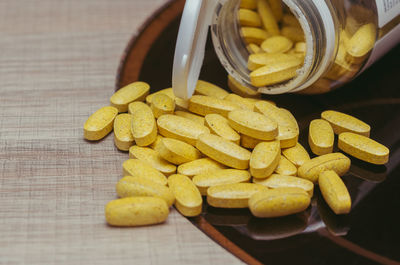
(285, 167)
(290, 20)
(218, 125)
(248, 18)
(363, 148)
(334, 192)
(258, 60)
(143, 169)
(153, 158)
(100, 123)
(204, 105)
(265, 158)
(232, 195)
(242, 102)
(143, 126)
(277, 44)
(253, 48)
(162, 104)
(362, 41)
(223, 151)
(207, 89)
(220, 177)
(188, 199)
(279, 202)
(277, 9)
(196, 118)
(334, 161)
(156, 143)
(123, 138)
(281, 181)
(248, 141)
(167, 91)
(136, 211)
(254, 35)
(253, 124)
(249, 4)
(199, 166)
(300, 47)
(296, 154)
(130, 186)
(177, 152)
(295, 34)
(267, 17)
(242, 90)
(181, 104)
(137, 91)
(342, 122)
(320, 137)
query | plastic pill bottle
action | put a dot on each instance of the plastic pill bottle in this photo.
(342, 38)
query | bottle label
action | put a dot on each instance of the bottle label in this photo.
(387, 10)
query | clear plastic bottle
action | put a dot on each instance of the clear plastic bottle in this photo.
(343, 38)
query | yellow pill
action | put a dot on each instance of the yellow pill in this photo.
(196, 118)
(281, 181)
(267, 17)
(290, 20)
(137, 91)
(295, 34)
(232, 195)
(275, 73)
(300, 47)
(143, 125)
(276, 44)
(288, 129)
(253, 124)
(162, 104)
(223, 151)
(253, 48)
(363, 148)
(242, 90)
(153, 158)
(254, 35)
(296, 154)
(362, 41)
(123, 138)
(136, 211)
(285, 167)
(264, 159)
(334, 192)
(341, 122)
(181, 104)
(248, 141)
(180, 128)
(320, 137)
(143, 169)
(167, 91)
(130, 186)
(188, 199)
(177, 152)
(204, 105)
(334, 161)
(220, 177)
(100, 123)
(276, 7)
(156, 144)
(279, 202)
(199, 166)
(249, 4)
(207, 89)
(258, 60)
(219, 125)
(242, 102)
(249, 18)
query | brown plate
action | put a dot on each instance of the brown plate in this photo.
(370, 233)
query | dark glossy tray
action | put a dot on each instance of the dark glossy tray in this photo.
(370, 233)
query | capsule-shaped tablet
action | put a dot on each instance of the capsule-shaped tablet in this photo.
(177, 152)
(342, 122)
(204, 105)
(220, 177)
(279, 202)
(253, 124)
(180, 128)
(362, 41)
(136, 211)
(153, 158)
(281, 181)
(162, 104)
(300, 47)
(248, 141)
(199, 166)
(277, 44)
(143, 125)
(143, 169)
(137, 91)
(232, 195)
(249, 4)
(258, 60)
(100, 123)
(188, 199)
(248, 18)
(320, 137)
(223, 151)
(242, 90)
(264, 159)
(156, 144)
(334, 192)
(285, 167)
(277, 10)
(296, 154)
(267, 17)
(130, 186)
(334, 161)
(196, 118)
(123, 138)
(290, 20)
(295, 34)
(243, 102)
(253, 48)
(207, 89)
(363, 148)
(167, 91)
(219, 125)
(181, 104)
(254, 35)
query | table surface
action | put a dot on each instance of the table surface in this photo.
(58, 63)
